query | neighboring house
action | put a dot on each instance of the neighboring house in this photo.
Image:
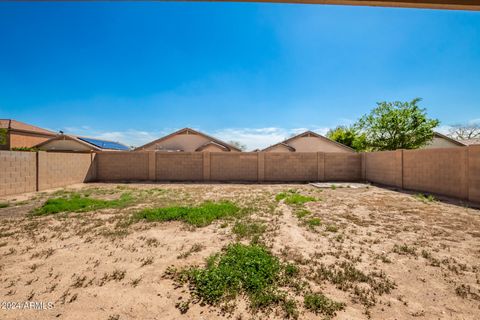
(187, 140)
(308, 141)
(16, 134)
(442, 141)
(64, 142)
(470, 142)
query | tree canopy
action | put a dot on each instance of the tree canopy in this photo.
(397, 125)
(348, 136)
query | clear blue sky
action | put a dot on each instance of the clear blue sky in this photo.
(243, 71)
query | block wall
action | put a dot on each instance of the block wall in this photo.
(123, 166)
(343, 166)
(18, 172)
(178, 166)
(233, 166)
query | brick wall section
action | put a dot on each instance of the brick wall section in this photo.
(384, 167)
(181, 166)
(474, 173)
(63, 169)
(292, 166)
(18, 172)
(343, 166)
(234, 166)
(441, 171)
(122, 166)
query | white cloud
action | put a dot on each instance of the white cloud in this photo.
(259, 138)
(253, 138)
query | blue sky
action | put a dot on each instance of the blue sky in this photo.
(244, 71)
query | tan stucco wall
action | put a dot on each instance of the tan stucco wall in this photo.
(64, 145)
(310, 144)
(213, 148)
(439, 142)
(23, 139)
(185, 142)
(279, 148)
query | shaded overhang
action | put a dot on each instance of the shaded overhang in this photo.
(426, 4)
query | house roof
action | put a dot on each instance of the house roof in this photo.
(308, 133)
(93, 143)
(211, 143)
(212, 139)
(280, 144)
(439, 135)
(469, 142)
(15, 125)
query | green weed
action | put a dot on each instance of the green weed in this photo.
(292, 197)
(425, 198)
(4, 204)
(320, 304)
(248, 229)
(313, 222)
(249, 270)
(77, 203)
(198, 216)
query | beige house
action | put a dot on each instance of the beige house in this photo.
(64, 142)
(442, 141)
(16, 134)
(188, 140)
(308, 141)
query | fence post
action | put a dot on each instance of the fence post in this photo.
(152, 165)
(206, 166)
(41, 170)
(261, 166)
(474, 173)
(399, 168)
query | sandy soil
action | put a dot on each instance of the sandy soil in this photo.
(95, 266)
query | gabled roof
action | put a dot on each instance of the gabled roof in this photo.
(469, 142)
(186, 130)
(280, 144)
(439, 135)
(211, 143)
(309, 133)
(24, 127)
(93, 143)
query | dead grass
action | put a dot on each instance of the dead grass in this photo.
(344, 253)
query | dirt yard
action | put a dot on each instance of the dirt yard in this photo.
(363, 253)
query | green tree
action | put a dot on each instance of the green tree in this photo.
(348, 136)
(238, 145)
(397, 125)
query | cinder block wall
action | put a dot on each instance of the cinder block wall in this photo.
(453, 172)
(182, 166)
(343, 166)
(384, 167)
(18, 172)
(122, 166)
(61, 169)
(22, 172)
(234, 166)
(297, 166)
(442, 171)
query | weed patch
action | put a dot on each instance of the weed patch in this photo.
(292, 197)
(198, 216)
(78, 203)
(313, 222)
(248, 229)
(320, 304)
(249, 270)
(425, 198)
(346, 277)
(4, 205)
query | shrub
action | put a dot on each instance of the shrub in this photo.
(198, 216)
(78, 203)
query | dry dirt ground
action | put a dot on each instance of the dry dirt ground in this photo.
(94, 265)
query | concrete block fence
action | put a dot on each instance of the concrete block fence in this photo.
(453, 172)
